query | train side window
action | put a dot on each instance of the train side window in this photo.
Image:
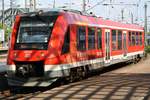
(81, 38)
(137, 38)
(66, 45)
(133, 38)
(140, 38)
(114, 40)
(99, 38)
(130, 39)
(119, 40)
(91, 38)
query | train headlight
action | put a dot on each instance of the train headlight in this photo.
(42, 54)
(24, 70)
(15, 54)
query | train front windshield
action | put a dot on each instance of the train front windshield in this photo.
(34, 32)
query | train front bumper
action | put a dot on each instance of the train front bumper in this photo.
(30, 82)
(50, 76)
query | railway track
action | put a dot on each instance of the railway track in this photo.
(24, 92)
(13, 92)
(129, 82)
(21, 92)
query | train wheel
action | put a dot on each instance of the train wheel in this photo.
(80, 73)
(136, 60)
(83, 72)
(72, 77)
(77, 74)
(86, 71)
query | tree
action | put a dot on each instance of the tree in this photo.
(7, 31)
(1, 26)
(148, 33)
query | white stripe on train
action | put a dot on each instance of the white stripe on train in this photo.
(81, 63)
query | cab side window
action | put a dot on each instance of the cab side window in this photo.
(66, 45)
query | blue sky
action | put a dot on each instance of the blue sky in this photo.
(112, 11)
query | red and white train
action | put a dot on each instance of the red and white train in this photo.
(47, 45)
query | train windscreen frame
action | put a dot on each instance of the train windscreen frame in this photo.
(34, 32)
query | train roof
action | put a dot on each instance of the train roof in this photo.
(79, 18)
(82, 19)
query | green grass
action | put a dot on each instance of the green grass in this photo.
(147, 49)
(2, 57)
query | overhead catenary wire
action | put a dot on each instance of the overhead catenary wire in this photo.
(95, 5)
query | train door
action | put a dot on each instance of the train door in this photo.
(125, 43)
(107, 46)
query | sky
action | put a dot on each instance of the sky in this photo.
(112, 12)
